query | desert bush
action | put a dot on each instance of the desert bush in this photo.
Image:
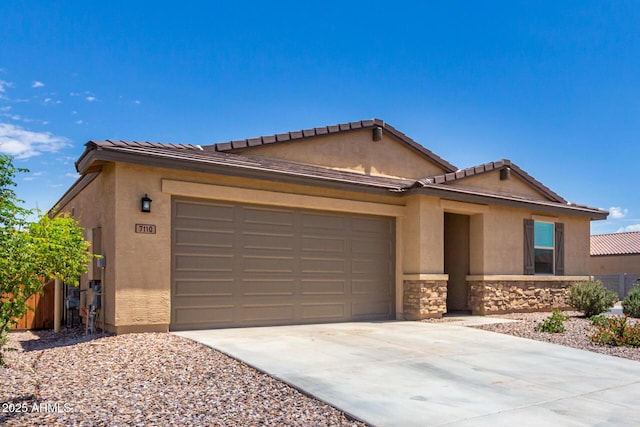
(591, 297)
(552, 324)
(631, 303)
(599, 320)
(617, 332)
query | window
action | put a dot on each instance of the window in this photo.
(543, 244)
(543, 247)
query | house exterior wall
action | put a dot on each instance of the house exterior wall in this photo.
(491, 181)
(138, 273)
(354, 151)
(615, 264)
(95, 207)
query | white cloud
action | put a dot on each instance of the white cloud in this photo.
(79, 122)
(23, 143)
(616, 212)
(90, 98)
(37, 84)
(634, 227)
(137, 102)
(4, 85)
(5, 108)
(73, 175)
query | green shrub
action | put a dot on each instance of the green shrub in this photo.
(631, 303)
(599, 320)
(617, 332)
(553, 324)
(591, 297)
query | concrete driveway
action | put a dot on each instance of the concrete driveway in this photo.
(426, 374)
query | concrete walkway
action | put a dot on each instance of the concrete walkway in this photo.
(428, 374)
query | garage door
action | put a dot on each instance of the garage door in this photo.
(246, 265)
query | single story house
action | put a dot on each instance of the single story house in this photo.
(615, 260)
(350, 222)
(615, 253)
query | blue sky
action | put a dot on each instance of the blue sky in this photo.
(552, 86)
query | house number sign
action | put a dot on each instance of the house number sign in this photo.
(146, 228)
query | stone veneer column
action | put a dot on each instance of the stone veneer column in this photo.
(424, 296)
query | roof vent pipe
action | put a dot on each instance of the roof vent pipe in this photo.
(505, 173)
(377, 133)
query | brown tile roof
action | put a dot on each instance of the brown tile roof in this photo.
(487, 167)
(169, 155)
(233, 146)
(616, 243)
(195, 158)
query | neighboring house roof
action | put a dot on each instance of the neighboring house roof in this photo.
(217, 159)
(616, 244)
(487, 167)
(235, 146)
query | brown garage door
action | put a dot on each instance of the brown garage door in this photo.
(246, 265)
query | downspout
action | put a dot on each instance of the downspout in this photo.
(57, 302)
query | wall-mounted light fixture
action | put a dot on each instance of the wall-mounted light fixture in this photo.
(145, 204)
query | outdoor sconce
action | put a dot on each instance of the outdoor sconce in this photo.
(145, 204)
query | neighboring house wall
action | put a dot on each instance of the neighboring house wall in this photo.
(615, 264)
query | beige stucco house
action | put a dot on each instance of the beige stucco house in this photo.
(348, 222)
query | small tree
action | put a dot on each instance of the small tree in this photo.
(30, 253)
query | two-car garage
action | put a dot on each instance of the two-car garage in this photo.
(253, 265)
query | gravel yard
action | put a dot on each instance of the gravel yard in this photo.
(144, 379)
(576, 335)
(162, 379)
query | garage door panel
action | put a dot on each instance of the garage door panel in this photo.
(267, 217)
(268, 241)
(323, 287)
(203, 211)
(324, 311)
(370, 309)
(211, 263)
(309, 243)
(329, 223)
(204, 288)
(194, 316)
(255, 265)
(370, 225)
(206, 238)
(268, 287)
(267, 264)
(267, 313)
(322, 265)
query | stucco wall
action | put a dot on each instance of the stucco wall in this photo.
(503, 244)
(140, 292)
(491, 181)
(355, 151)
(95, 207)
(615, 264)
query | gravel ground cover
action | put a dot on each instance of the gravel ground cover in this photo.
(144, 379)
(576, 335)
